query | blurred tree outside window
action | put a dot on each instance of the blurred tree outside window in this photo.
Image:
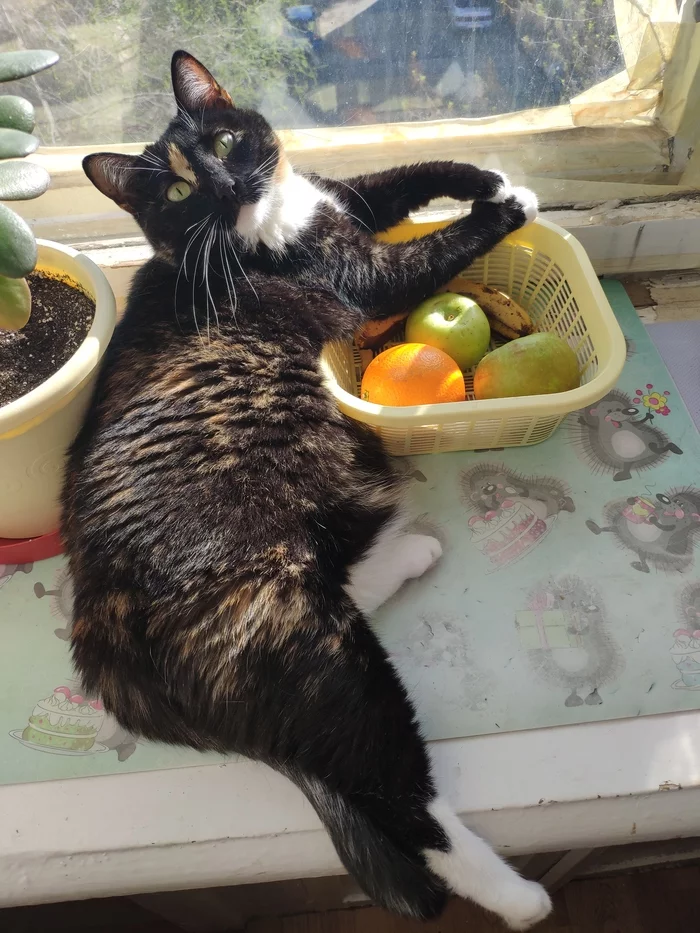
(328, 63)
(587, 101)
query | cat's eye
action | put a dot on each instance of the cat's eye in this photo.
(179, 191)
(223, 144)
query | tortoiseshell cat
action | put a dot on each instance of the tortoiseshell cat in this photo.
(228, 528)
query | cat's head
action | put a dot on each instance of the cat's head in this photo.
(213, 160)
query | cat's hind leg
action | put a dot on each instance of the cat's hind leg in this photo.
(471, 868)
(368, 777)
(394, 557)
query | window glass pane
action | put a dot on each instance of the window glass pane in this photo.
(332, 63)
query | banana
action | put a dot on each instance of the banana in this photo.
(374, 334)
(505, 316)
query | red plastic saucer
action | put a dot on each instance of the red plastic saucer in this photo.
(30, 550)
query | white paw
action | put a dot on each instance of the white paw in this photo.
(419, 553)
(527, 201)
(524, 904)
(504, 191)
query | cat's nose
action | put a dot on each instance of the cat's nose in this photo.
(227, 191)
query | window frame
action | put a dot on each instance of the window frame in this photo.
(641, 146)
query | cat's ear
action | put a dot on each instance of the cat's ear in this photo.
(194, 87)
(111, 174)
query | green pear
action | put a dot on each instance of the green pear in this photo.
(535, 365)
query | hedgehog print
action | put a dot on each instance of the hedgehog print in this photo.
(61, 596)
(688, 605)
(565, 635)
(686, 639)
(512, 512)
(613, 436)
(659, 531)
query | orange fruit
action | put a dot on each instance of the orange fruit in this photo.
(412, 374)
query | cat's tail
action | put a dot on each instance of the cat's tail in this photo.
(394, 877)
(368, 776)
(409, 878)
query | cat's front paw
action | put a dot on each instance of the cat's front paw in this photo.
(509, 209)
(502, 188)
(525, 201)
(418, 554)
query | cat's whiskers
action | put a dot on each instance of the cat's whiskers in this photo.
(153, 159)
(143, 168)
(235, 256)
(197, 223)
(200, 225)
(186, 117)
(356, 192)
(260, 168)
(228, 275)
(194, 283)
(207, 266)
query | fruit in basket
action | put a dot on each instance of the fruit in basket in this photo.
(504, 314)
(534, 365)
(412, 374)
(374, 334)
(454, 324)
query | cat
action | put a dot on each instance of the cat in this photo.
(228, 529)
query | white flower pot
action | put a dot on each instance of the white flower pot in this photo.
(37, 429)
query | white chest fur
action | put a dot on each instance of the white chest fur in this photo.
(283, 213)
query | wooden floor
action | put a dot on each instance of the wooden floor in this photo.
(664, 901)
(659, 901)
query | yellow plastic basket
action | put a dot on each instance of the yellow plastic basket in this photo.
(547, 271)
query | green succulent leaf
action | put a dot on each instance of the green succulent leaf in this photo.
(15, 65)
(16, 113)
(15, 303)
(20, 181)
(15, 145)
(17, 245)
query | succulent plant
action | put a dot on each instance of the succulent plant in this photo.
(19, 181)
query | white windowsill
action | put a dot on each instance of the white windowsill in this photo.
(546, 790)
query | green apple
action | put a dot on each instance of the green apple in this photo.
(454, 324)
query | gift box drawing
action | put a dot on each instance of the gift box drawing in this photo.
(544, 626)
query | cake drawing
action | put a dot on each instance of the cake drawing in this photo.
(506, 534)
(64, 723)
(512, 512)
(111, 734)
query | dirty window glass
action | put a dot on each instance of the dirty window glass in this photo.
(330, 63)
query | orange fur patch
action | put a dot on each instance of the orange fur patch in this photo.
(179, 164)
